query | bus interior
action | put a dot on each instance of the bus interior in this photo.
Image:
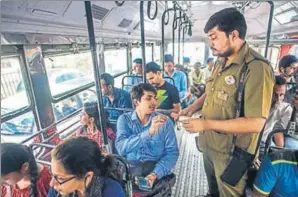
(53, 52)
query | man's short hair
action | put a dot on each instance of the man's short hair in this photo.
(210, 59)
(279, 80)
(152, 67)
(228, 20)
(198, 64)
(169, 58)
(287, 60)
(109, 79)
(137, 91)
(186, 60)
(138, 61)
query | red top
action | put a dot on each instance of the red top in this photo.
(43, 186)
(97, 135)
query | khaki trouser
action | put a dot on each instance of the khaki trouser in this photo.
(214, 164)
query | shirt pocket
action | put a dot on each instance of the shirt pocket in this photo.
(226, 96)
(156, 147)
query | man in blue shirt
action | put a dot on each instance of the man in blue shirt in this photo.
(278, 175)
(178, 76)
(147, 137)
(113, 97)
(137, 75)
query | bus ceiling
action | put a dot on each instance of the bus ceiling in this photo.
(56, 22)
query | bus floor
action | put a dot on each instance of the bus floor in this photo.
(190, 175)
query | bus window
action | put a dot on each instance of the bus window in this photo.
(69, 72)
(115, 61)
(294, 50)
(72, 104)
(157, 58)
(19, 128)
(13, 99)
(194, 50)
(13, 93)
(137, 53)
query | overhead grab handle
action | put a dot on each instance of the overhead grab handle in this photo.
(119, 3)
(149, 10)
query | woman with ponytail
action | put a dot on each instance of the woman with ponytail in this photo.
(21, 176)
(79, 170)
(90, 122)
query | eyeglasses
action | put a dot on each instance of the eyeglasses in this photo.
(61, 182)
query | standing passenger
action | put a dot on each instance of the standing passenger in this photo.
(178, 76)
(221, 129)
(113, 97)
(137, 74)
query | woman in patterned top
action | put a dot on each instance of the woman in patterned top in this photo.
(90, 121)
(21, 176)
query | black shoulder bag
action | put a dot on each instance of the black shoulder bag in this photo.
(240, 160)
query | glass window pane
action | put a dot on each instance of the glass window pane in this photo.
(18, 128)
(68, 72)
(137, 53)
(13, 92)
(157, 58)
(73, 103)
(115, 61)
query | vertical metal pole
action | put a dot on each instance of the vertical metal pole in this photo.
(269, 27)
(143, 44)
(163, 37)
(183, 39)
(153, 51)
(96, 70)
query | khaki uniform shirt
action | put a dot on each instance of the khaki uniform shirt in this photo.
(221, 94)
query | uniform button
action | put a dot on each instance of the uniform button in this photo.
(212, 89)
(219, 74)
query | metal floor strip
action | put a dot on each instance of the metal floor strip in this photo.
(191, 179)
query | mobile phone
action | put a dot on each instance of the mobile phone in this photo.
(144, 184)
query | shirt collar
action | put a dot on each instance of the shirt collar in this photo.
(135, 117)
(239, 59)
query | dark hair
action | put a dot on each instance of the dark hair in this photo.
(198, 64)
(109, 79)
(138, 90)
(13, 156)
(228, 20)
(186, 60)
(279, 80)
(81, 155)
(210, 59)
(138, 61)
(169, 58)
(152, 67)
(287, 60)
(91, 109)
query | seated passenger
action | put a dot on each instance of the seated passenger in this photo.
(137, 75)
(79, 169)
(208, 70)
(21, 176)
(167, 94)
(278, 175)
(90, 121)
(178, 76)
(196, 76)
(287, 67)
(280, 113)
(146, 138)
(113, 97)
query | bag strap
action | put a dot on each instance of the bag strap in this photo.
(240, 103)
